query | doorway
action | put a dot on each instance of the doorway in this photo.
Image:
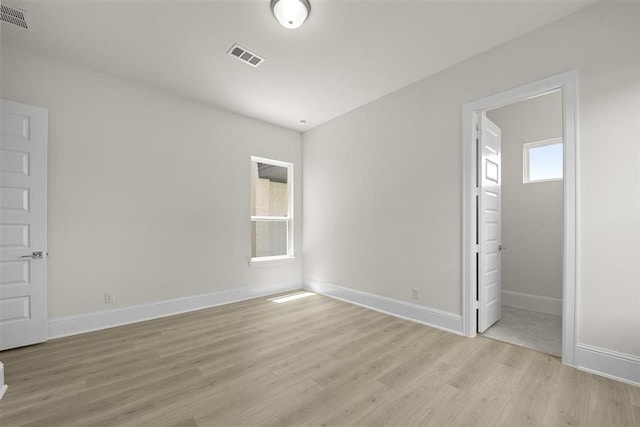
(531, 224)
(474, 301)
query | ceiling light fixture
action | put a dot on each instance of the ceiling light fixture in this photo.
(291, 13)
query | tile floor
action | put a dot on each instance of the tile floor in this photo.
(530, 329)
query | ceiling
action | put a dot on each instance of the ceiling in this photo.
(347, 54)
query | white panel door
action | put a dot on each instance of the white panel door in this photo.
(489, 235)
(23, 225)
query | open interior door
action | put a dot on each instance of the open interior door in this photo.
(489, 224)
(23, 225)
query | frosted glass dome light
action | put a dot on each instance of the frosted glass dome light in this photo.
(291, 13)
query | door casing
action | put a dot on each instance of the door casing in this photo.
(567, 82)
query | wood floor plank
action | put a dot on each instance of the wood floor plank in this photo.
(312, 361)
(517, 357)
(610, 404)
(356, 370)
(371, 339)
(569, 404)
(423, 345)
(331, 402)
(480, 365)
(259, 396)
(481, 380)
(483, 405)
(273, 405)
(415, 406)
(427, 387)
(634, 395)
(350, 412)
(528, 404)
(636, 415)
(188, 422)
(409, 371)
(445, 348)
(199, 398)
(311, 358)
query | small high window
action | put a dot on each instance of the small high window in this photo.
(271, 209)
(542, 161)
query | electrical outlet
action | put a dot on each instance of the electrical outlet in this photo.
(109, 297)
(415, 293)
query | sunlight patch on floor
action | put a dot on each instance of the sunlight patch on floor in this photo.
(291, 297)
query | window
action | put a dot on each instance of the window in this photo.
(271, 209)
(542, 161)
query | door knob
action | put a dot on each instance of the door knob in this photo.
(501, 248)
(34, 255)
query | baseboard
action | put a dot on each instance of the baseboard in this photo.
(73, 325)
(532, 302)
(608, 363)
(3, 386)
(432, 317)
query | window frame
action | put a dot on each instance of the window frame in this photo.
(269, 260)
(525, 159)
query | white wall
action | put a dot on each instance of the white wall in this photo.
(532, 214)
(383, 183)
(148, 193)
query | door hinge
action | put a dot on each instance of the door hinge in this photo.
(476, 304)
(476, 191)
(476, 248)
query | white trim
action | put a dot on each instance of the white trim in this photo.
(270, 261)
(290, 205)
(531, 302)
(3, 386)
(539, 181)
(608, 363)
(526, 168)
(73, 325)
(271, 161)
(270, 218)
(439, 319)
(567, 83)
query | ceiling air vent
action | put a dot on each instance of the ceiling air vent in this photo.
(245, 56)
(14, 16)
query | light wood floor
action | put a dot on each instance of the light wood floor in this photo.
(313, 361)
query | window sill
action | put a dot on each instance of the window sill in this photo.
(535, 181)
(270, 261)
